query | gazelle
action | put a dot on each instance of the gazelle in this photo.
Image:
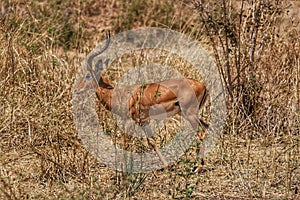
(150, 101)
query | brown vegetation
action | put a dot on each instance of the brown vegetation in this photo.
(256, 47)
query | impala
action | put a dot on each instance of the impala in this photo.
(149, 101)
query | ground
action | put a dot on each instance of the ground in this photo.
(42, 46)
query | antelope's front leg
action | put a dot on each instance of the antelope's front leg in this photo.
(151, 141)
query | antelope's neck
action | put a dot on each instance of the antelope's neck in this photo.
(104, 95)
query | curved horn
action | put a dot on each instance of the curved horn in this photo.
(96, 53)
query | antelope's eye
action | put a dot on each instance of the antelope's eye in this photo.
(88, 76)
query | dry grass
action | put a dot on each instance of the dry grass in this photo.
(42, 44)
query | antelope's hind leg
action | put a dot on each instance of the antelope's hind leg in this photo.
(200, 151)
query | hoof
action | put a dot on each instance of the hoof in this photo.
(199, 167)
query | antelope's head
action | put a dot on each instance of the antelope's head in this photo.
(93, 78)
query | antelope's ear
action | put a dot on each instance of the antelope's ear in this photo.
(99, 66)
(106, 62)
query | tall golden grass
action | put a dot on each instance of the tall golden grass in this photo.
(256, 46)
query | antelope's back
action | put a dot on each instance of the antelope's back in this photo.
(199, 88)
